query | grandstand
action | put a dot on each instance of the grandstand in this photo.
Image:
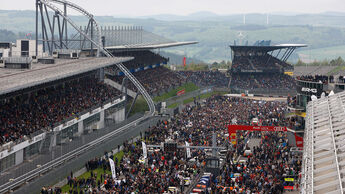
(206, 78)
(261, 69)
(65, 115)
(312, 70)
(57, 101)
(323, 158)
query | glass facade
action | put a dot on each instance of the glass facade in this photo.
(91, 121)
(7, 162)
(67, 133)
(31, 150)
(306, 89)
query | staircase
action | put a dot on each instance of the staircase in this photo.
(134, 80)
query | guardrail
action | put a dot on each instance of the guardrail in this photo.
(267, 92)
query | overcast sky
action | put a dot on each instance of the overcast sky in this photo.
(184, 7)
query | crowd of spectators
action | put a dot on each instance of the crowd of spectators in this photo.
(317, 78)
(262, 81)
(141, 59)
(28, 113)
(341, 79)
(155, 80)
(264, 63)
(262, 172)
(206, 78)
(241, 63)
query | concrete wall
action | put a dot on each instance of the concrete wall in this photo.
(19, 156)
(18, 150)
(62, 172)
(16, 50)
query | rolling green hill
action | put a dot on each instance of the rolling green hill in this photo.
(320, 54)
(324, 33)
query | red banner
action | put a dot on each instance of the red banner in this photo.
(288, 187)
(234, 128)
(179, 93)
(184, 61)
(299, 141)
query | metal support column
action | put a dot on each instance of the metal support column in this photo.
(36, 45)
(132, 104)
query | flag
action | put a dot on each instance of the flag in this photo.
(179, 93)
(299, 141)
(112, 166)
(188, 151)
(184, 61)
(144, 149)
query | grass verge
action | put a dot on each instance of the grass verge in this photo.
(99, 171)
(188, 87)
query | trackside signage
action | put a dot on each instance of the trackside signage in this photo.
(234, 128)
(312, 90)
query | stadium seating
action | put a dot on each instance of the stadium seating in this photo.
(264, 81)
(155, 80)
(317, 78)
(260, 72)
(41, 110)
(206, 78)
(265, 62)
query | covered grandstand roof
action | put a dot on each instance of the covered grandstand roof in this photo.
(265, 48)
(323, 166)
(130, 38)
(16, 79)
(148, 46)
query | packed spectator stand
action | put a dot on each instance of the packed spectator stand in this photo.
(262, 69)
(265, 63)
(42, 109)
(206, 78)
(262, 171)
(253, 72)
(268, 81)
(141, 59)
(317, 78)
(148, 68)
(155, 80)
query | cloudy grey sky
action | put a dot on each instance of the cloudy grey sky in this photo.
(184, 7)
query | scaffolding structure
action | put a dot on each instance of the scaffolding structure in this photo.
(323, 166)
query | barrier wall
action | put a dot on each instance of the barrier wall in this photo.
(15, 154)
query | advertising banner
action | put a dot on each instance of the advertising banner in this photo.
(188, 151)
(144, 149)
(112, 167)
(179, 93)
(234, 128)
(299, 141)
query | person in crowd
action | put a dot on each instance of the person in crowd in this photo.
(155, 80)
(263, 172)
(206, 78)
(41, 110)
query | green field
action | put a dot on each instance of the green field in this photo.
(99, 171)
(188, 87)
(202, 96)
(214, 36)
